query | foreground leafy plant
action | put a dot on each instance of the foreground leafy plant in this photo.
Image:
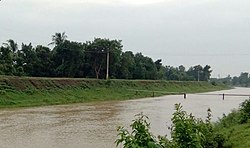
(140, 136)
(245, 111)
(186, 132)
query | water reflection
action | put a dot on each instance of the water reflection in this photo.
(94, 124)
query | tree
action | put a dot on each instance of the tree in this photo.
(172, 73)
(139, 70)
(206, 73)
(68, 59)
(160, 69)
(199, 73)
(8, 57)
(43, 65)
(58, 38)
(235, 81)
(158, 64)
(96, 55)
(27, 59)
(11, 45)
(244, 79)
(127, 65)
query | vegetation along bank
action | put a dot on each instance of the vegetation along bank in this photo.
(187, 131)
(32, 91)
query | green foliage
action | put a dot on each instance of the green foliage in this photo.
(243, 80)
(2, 92)
(245, 111)
(240, 116)
(236, 126)
(88, 59)
(140, 137)
(186, 132)
(239, 135)
(229, 120)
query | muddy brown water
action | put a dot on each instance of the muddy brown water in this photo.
(93, 125)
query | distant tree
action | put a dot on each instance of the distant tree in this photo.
(68, 58)
(89, 59)
(196, 73)
(27, 59)
(8, 57)
(43, 65)
(11, 45)
(244, 79)
(172, 73)
(58, 38)
(182, 73)
(235, 81)
(158, 64)
(206, 73)
(96, 55)
(139, 70)
(127, 65)
(160, 69)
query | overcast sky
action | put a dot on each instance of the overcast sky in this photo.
(180, 32)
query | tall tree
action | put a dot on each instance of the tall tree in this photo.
(43, 65)
(127, 65)
(8, 57)
(11, 45)
(68, 58)
(27, 59)
(96, 55)
(58, 38)
(206, 73)
(160, 69)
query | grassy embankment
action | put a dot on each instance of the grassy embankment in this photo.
(27, 91)
(236, 125)
(239, 135)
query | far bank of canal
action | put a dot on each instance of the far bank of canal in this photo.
(32, 91)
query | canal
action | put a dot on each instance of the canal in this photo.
(94, 124)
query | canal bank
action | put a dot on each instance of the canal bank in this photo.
(30, 91)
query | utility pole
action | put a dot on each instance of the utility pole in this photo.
(198, 75)
(107, 74)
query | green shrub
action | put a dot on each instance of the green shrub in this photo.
(190, 132)
(2, 92)
(245, 111)
(140, 137)
(30, 91)
(186, 132)
(229, 120)
(214, 83)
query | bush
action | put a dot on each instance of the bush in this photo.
(233, 118)
(214, 83)
(245, 111)
(186, 132)
(140, 136)
(2, 92)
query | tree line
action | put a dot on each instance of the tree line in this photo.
(243, 80)
(89, 60)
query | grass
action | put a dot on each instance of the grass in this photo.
(239, 135)
(236, 125)
(25, 91)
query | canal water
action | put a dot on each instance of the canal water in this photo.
(94, 124)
